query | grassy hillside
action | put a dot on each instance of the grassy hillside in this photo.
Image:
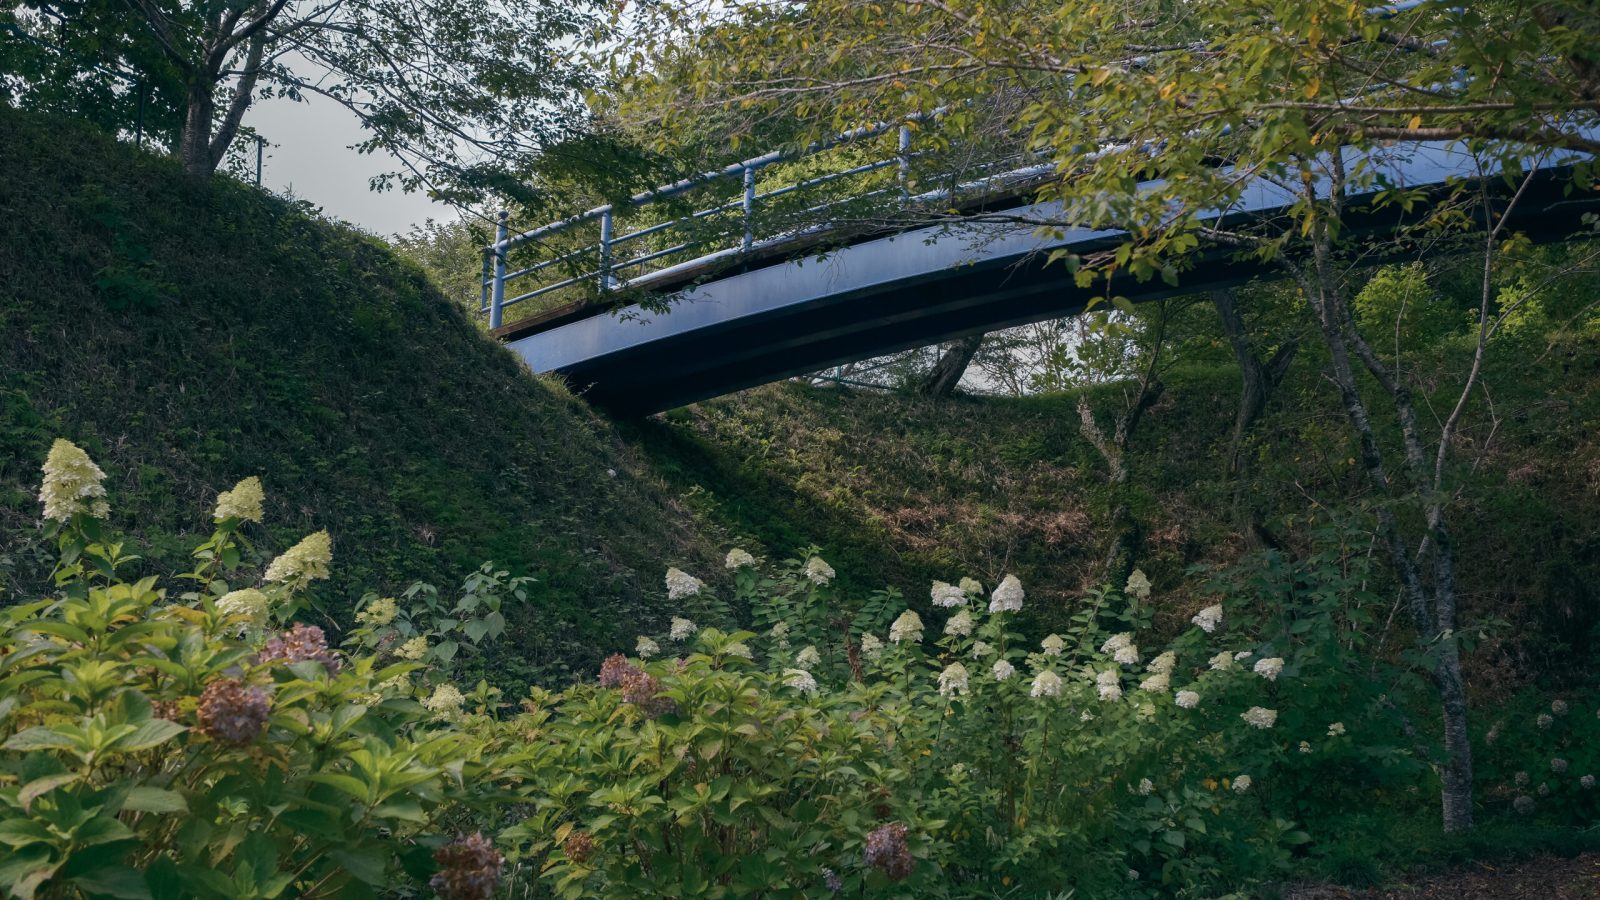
(188, 335)
(912, 489)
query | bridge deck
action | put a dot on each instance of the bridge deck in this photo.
(750, 326)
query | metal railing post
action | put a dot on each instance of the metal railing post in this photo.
(905, 163)
(749, 209)
(498, 301)
(606, 226)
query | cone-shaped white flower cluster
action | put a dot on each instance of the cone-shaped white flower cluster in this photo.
(1222, 662)
(971, 587)
(959, 625)
(682, 628)
(738, 559)
(681, 584)
(249, 604)
(1046, 684)
(871, 647)
(1209, 618)
(906, 628)
(800, 680)
(953, 681)
(1187, 699)
(1007, 597)
(1159, 683)
(818, 571)
(242, 503)
(808, 658)
(1053, 645)
(947, 595)
(1109, 684)
(1242, 784)
(72, 484)
(1138, 585)
(646, 647)
(1002, 670)
(1269, 668)
(1165, 663)
(303, 563)
(1259, 717)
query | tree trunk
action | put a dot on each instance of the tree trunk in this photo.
(194, 146)
(947, 372)
(1432, 607)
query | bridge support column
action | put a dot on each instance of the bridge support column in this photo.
(497, 300)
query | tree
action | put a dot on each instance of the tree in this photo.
(1200, 102)
(462, 92)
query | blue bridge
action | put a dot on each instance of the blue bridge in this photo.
(661, 321)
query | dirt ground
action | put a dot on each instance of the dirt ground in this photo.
(1547, 878)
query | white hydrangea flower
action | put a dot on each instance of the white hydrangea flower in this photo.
(906, 628)
(1007, 597)
(738, 649)
(959, 625)
(1544, 789)
(1241, 656)
(1086, 716)
(1544, 721)
(1003, 670)
(379, 612)
(1159, 683)
(1222, 662)
(1117, 642)
(1336, 729)
(1305, 746)
(780, 635)
(1241, 784)
(248, 603)
(1046, 684)
(808, 658)
(1138, 585)
(303, 563)
(682, 628)
(1146, 786)
(1109, 684)
(818, 571)
(1165, 663)
(953, 680)
(1269, 668)
(981, 649)
(971, 587)
(1558, 765)
(1522, 779)
(738, 558)
(947, 595)
(800, 680)
(1128, 656)
(1559, 707)
(1053, 645)
(871, 647)
(445, 701)
(72, 484)
(1187, 699)
(681, 584)
(1259, 717)
(646, 647)
(413, 649)
(1523, 805)
(1209, 618)
(242, 503)
(1587, 781)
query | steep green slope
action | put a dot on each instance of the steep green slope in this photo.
(191, 334)
(908, 489)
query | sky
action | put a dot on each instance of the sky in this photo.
(309, 155)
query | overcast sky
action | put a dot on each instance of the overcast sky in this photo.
(309, 155)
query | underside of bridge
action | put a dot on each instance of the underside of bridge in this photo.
(791, 317)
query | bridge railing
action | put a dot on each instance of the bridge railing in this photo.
(650, 238)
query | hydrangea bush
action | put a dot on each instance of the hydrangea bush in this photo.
(189, 738)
